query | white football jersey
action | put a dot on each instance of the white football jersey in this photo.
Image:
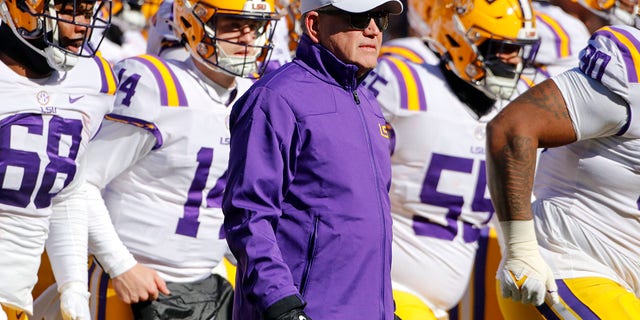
(45, 125)
(426, 117)
(439, 195)
(165, 206)
(593, 184)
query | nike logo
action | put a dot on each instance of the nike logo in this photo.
(19, 315)
(74, 100)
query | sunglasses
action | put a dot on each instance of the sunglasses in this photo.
(360, 21)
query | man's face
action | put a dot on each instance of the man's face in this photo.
(358, 45)
(238, 34)
(73, 23)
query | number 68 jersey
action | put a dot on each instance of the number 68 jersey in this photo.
(160, 161)
(45, 125)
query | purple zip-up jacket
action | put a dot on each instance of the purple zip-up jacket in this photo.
(306, 205)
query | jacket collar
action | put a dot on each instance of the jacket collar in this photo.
(325, 65)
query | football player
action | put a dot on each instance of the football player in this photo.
(573, 252)
(438, 89)
(54, 94)
(158, 166)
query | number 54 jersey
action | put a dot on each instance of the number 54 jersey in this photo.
(439, 197)
(438, 156)
(45, 125)
(163, 190)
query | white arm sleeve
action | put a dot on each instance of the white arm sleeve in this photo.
(595, 110)
(117, 147)
(67, 242)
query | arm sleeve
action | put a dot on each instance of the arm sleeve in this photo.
(263, 148)
(117, 147)
(66, 244)
(595, 110)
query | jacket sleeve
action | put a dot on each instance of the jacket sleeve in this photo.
(264, 140)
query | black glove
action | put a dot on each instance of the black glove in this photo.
(288, 308)
(295, 314)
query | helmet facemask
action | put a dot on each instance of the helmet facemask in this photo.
(473, 38)
(236, 64)
(503, 62)
(205, 29)
(45, 35)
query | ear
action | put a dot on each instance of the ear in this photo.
(311, 25)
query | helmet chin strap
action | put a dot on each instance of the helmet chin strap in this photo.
(60, 60)
(240, 66)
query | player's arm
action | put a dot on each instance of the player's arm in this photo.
(117, 147)
(569, 107)
(67, 250)
(537, 118)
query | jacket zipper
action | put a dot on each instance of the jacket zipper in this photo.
(377, 185)
(311, 251)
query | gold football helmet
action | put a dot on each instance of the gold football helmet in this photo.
(195, 24)
(37, 23)
(475, 37)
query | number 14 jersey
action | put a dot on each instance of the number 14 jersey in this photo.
(163, 190)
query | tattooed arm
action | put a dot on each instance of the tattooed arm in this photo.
(537, 119)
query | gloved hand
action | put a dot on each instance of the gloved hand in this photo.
(74, 301)
(295, 314)
(524, 276)
(287, 308)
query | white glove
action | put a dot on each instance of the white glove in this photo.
(524, 276)
(74, 301)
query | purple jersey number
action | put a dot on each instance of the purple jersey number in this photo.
(188, 224)
(27, 163)
(454, 203)
(594, 62)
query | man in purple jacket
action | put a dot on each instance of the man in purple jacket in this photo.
(306, 205)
